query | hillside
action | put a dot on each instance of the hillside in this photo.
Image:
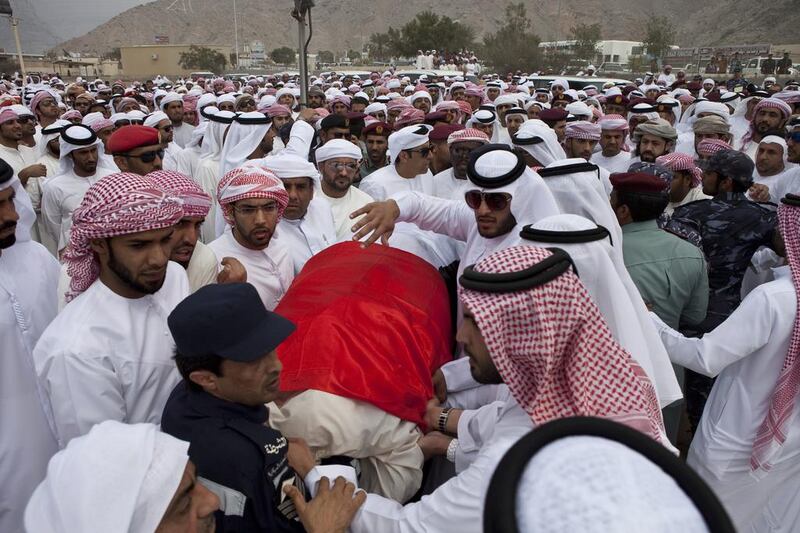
(35, 33)
(343, 24)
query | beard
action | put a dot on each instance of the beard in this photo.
(8, 242)
(128, 279)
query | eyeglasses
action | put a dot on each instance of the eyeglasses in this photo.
(340, 135)
(251, 210)
(422, 151)
(148, 157)
(350, 168)
(495, 201)
(24, 120)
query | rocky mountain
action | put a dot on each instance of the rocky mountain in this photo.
(339, 25)
(36, 35)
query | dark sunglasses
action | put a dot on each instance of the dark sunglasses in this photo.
(422, 151)
(341, 135)
(495, 201)
(148, 157)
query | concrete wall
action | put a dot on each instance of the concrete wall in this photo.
(164, 59)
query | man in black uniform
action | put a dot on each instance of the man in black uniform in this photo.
(225, 350)
(729, 229)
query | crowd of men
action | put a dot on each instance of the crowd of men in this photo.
(193, 341)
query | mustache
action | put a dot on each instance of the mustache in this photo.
(8, 225)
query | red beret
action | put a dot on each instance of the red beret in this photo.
(128, 138)
(355, 115)
(441, 132)
(377, 128)
(638, 182)
(434, 117)
(553, 115)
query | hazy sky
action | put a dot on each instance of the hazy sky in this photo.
(71, 18)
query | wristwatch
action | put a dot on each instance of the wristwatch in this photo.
(442, 421)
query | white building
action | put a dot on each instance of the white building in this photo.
(607, 51)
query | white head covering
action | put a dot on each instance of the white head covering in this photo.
(169, 98)
(506, 99)
(618, 299)
(65, 147)
(375, 107)
(206, 99)
(242, 140)
(338, 148)
(484, 116)
(154, 118)
(530, 199)
(48, 134)
(547, 151)
(408, 138)
(24, 208)
(197, 135)
(300, 138)
(579, 109)
(596, 485)
(212, 142)
(560, 82)
(774, 139)
(118, 478)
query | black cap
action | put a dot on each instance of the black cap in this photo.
(228, 320)
(730, 164)
(334, 121)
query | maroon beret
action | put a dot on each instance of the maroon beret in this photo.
(377, 128)
(638, 182)
(441, 132)
(694, 86)
(617, 99)
(553, 115)
(355, 115)
(435, 116)
(128, 138)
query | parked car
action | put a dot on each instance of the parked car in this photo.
(609, 67)
(576, 82)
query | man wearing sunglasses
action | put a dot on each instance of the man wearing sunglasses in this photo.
(452, 183)
(160, 121)
(504, 194)
(334, 127)
(137, 149)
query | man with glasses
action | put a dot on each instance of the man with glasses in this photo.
(452, 183)
(27, 120)
(334, 127)
(160, 121)
(78, 169)
(172, 105)
(337, 162)
(503, 195)
(137, 149)
(253, 201)
(45, 106)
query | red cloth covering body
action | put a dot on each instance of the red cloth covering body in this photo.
(372, 325)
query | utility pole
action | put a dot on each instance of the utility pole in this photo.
(14, 24)
(5, 10)
(236, 33)
(301, 9)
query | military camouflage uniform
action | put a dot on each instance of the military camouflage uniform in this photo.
(729, 228)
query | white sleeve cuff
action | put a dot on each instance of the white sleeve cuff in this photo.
(331, 472)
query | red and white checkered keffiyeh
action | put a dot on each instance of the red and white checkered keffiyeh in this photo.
(118, 204)
(196, 203)
(709, 147)
(681, 161)
(582, 129)
(250, 182)
(773, 430)
(766, 103)
(553, 349)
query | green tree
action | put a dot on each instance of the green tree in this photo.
(283, 55)
(586, 37)
(325, 56)
(429, 31)
(202, 58)
(353, 55)
(513, 46)
(659, 34)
